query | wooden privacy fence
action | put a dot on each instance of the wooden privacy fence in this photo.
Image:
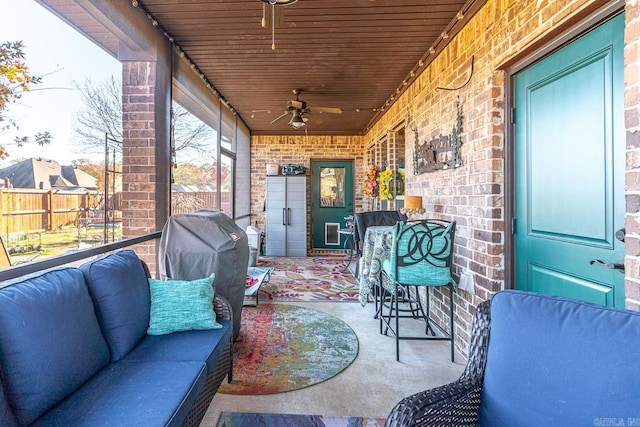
(190, 201)
(25, 210)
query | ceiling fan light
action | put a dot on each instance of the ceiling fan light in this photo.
(296, 122)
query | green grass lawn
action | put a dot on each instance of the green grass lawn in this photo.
(57, 242)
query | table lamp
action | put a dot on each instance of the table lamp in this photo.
(412, 206)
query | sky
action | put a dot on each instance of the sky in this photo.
(60, 55)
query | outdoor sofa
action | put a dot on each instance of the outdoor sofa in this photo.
(74, 349)
(539, 360)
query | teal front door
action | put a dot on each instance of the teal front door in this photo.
(332, 201)
(569, 169)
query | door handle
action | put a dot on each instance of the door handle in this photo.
(611, 265)
(284, 216)
(288, 216)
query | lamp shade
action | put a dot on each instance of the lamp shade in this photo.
(412, 202)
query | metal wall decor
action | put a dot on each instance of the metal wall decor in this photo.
(440, 152)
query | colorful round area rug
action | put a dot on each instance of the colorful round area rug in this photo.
(284, 347)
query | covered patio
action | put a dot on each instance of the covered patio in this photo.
(518, 120)
(385, 78)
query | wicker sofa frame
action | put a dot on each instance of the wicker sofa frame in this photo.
(457, 403)
(224, 368)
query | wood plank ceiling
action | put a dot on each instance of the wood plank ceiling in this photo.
(352, 55)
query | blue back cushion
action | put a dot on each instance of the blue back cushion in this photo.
(120, 291)
(425, 251)
(555, 361)
(50, 340)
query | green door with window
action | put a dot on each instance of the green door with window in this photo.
(569, 169)
(332, 201)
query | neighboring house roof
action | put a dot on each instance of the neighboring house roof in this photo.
(43, 174)
(79, 178)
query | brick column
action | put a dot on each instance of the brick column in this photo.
(632, 124)
(145, 105)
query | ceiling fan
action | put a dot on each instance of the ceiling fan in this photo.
(272, 17)
(300, 112)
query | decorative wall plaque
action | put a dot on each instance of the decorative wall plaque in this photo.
(440, 152)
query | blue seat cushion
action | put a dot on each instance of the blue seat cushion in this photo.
(120, 291)
(555, 361)
(50, 340)
(132, 394)
(195, 345)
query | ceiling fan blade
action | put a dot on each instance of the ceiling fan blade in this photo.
(285, 114)
(254, 112)
(312, 118)
(330, 110)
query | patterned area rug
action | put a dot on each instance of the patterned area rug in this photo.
(319, 278)
(283, 347)
(240, 419)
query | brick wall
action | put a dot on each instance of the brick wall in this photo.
(501, 33)
(301, 149)
(632, 123)
(473, 194)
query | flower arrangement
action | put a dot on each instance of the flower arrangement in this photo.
(384, 181)
(371, 182)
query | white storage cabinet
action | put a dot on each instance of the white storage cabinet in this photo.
(286, 215)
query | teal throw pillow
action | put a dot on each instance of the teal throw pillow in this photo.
(181, 305)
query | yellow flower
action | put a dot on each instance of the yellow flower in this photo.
(384, 181)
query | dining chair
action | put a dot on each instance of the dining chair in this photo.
(421, 257)
(363, 220)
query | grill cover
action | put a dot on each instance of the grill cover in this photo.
(195, 245)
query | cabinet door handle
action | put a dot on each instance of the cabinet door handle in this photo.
(284, 216)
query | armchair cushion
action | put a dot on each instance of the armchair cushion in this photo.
(558, 361)
(6, 415)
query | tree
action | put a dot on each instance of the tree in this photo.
(102, 114)
(94, 169)
(191, 174)
(15, 80)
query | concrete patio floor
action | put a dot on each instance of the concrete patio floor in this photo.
(370, 386)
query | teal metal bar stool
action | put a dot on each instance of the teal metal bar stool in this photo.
(421, 257)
